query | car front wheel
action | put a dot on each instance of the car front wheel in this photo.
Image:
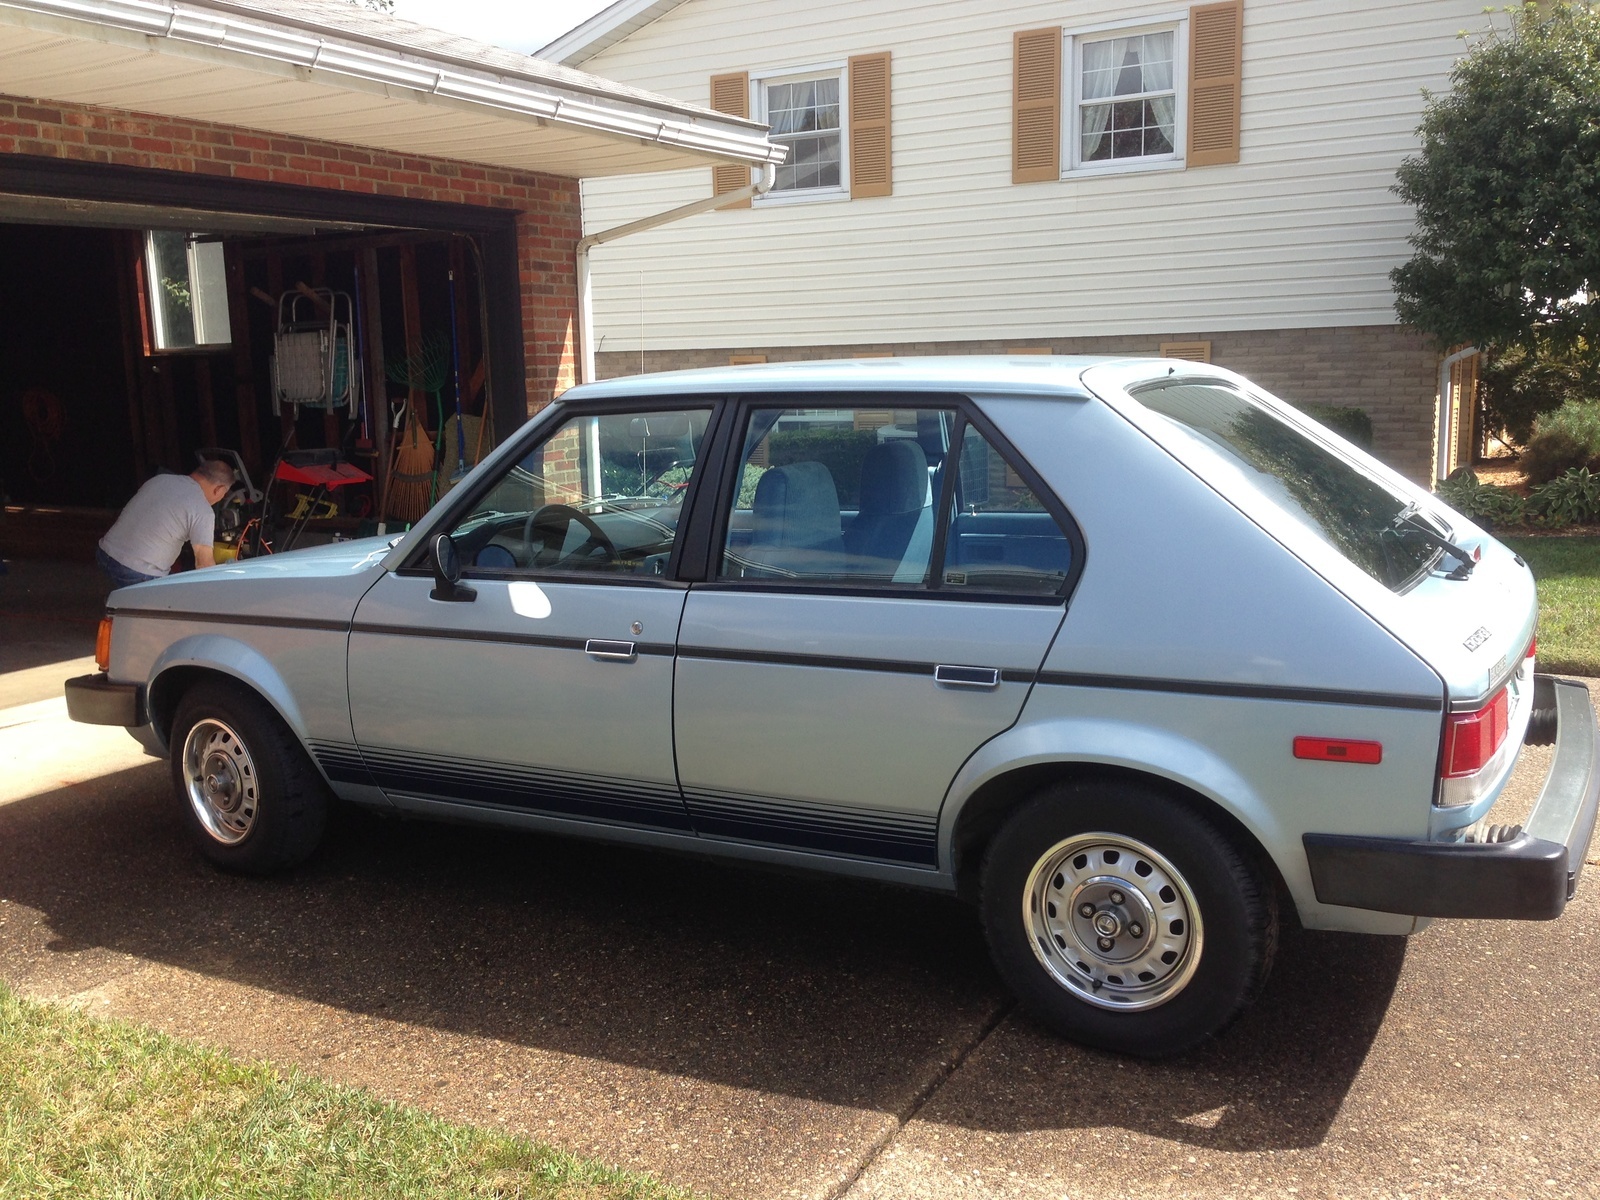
(252, 800)
(1124, 920)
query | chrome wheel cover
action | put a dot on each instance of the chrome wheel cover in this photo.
(1112, 921)
(219, 778)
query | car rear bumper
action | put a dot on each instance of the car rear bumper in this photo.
(95, 700)
(1529, 876)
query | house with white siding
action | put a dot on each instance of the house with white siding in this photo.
(1041, 176)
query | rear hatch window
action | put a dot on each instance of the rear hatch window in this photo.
(1357, 514)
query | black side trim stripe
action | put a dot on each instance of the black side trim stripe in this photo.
(211, 618)
(885, 836)
(1246, 691)
(635, 802)
(341, 762)
(891, 666)
(496, 637)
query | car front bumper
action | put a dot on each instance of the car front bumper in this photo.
(95, 700)
(1529, 876)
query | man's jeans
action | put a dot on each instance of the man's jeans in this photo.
(119, 575)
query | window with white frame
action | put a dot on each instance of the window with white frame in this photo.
(1125, 98)
(188, 290)
(806, 114)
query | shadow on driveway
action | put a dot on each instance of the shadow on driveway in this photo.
(819, 988)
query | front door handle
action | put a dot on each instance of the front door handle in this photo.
(986, 678)
(609, 650)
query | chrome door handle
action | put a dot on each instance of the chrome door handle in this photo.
(614, 651)
(986, 678)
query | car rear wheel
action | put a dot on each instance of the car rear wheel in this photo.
(1125, 920)
(252, 800)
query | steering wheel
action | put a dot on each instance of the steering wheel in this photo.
(552, 524)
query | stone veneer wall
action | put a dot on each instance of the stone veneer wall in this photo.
(549, 220)
(1389, 371)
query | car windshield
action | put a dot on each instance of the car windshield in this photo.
(1333, 498)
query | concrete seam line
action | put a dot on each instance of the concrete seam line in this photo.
(920, 1100)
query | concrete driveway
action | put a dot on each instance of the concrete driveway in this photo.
(752, 1034)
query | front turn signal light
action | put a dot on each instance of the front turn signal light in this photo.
(102, 645)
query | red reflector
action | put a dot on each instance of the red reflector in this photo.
(1471, 739)
(1533, 648)
(1338, 750)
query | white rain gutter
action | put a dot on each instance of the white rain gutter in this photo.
(1441, 457)
(318, 55)
(760, 186)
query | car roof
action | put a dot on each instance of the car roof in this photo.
(1037, 374)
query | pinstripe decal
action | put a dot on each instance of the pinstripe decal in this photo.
(1245, 691)
(511, 785)
(865, 833)
(868, 833)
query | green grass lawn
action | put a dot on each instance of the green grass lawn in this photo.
(92, 1108)
(1568, 573)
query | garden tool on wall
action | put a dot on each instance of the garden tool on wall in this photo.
(314, 361)
(364, 412)
(455, 375)
(413, 484)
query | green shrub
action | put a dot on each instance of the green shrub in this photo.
(1517, 385)
(1353, 424)
(840, 448)
(1483, 503)
(1570, 499)
(1563, 440)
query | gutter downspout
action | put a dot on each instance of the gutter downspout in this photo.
(759, 186)
(1441, 457)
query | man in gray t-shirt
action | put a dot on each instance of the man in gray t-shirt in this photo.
(166, 512)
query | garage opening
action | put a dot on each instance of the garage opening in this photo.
(327, 349)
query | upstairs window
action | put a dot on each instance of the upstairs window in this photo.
(1146, 93)
(805, 116)
(1127, 98)
(834, 120)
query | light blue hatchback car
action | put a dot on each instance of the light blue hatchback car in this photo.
(1127, 651)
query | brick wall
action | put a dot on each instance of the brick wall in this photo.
(1387, 370)
(549, 222)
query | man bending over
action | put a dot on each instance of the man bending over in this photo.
(166, 512)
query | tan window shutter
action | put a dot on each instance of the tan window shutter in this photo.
(1193, 351)
(1036, 105)
(731, 94)
(869, 126)
(1216, 55)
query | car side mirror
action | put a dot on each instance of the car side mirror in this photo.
(447, 572)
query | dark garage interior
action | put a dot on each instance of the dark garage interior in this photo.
(135, 335)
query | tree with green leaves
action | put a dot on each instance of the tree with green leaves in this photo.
(1507, 191)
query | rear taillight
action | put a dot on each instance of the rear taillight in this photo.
(1471, 739)
(102, 645)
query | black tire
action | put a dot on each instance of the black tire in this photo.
(1076, 908)
(251, 799)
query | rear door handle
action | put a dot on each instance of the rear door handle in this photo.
(986, 678)
(609, 650)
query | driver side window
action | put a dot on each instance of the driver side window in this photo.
(602, 494)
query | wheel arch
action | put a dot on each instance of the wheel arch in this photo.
(987, 793)
(192, 660)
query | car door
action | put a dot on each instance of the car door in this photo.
(852, 645)
(549, 690)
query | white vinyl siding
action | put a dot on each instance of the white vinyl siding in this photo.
(1301, 232)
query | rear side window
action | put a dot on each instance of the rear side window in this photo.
(854, 497)
(1334, 499)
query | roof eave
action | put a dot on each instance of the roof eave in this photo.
(605, 29)
(214, 27)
